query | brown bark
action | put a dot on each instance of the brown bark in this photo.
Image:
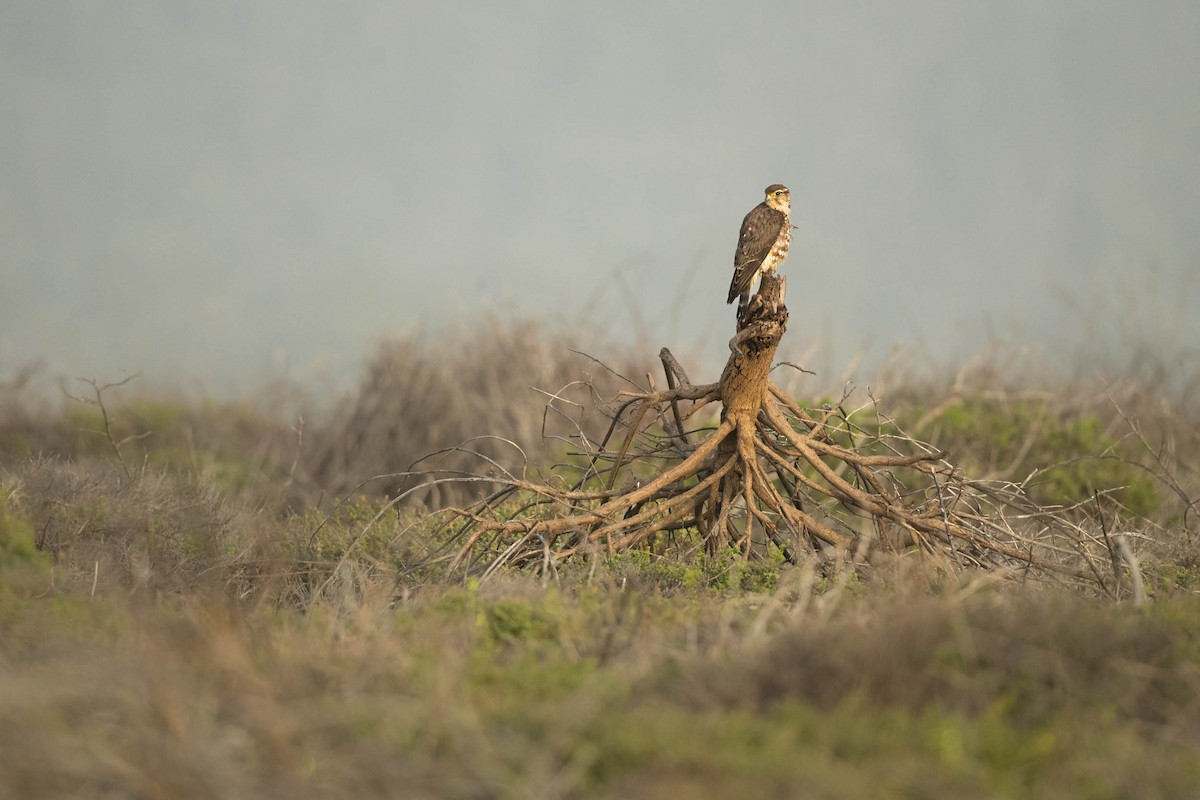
(745, 379)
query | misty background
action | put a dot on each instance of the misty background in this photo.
(214, 193)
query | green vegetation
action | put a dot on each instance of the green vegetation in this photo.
(189, 615)
(1063, 460)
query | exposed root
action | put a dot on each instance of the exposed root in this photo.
(770, 475)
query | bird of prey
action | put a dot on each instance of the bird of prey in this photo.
(763, 242)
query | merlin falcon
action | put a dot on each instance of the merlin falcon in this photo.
(763, 242)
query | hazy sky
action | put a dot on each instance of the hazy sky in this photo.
(200, 190)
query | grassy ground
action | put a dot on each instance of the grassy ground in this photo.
(188, 615)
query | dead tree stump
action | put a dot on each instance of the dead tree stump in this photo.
(769, 474)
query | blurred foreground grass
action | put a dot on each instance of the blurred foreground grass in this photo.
(223, 611)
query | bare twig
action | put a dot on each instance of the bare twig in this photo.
(114, 444)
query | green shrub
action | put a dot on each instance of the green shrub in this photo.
(1066, 459)
(17, 543)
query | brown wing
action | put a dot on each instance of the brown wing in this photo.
(760, 230)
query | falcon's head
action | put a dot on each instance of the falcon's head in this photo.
(779, 198)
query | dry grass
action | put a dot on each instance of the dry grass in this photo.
(204, 620)
(514, 393)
